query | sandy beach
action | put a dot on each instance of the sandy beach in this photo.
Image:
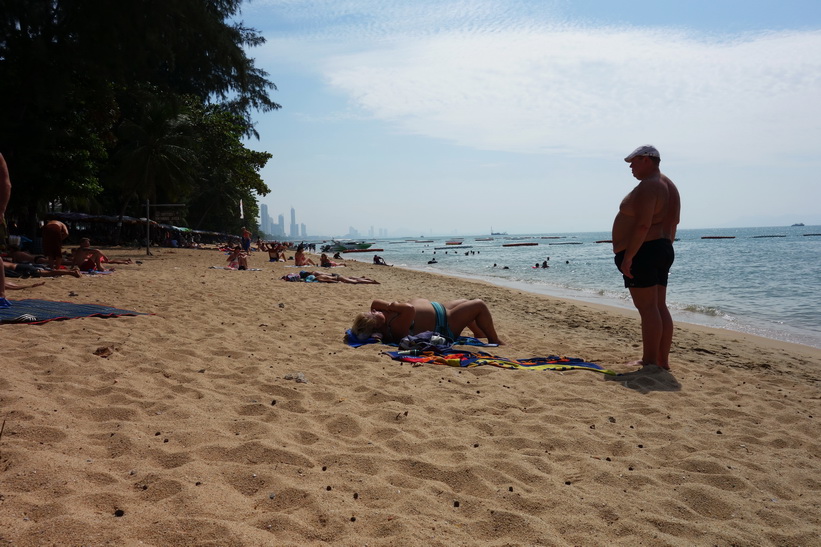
(187, 426)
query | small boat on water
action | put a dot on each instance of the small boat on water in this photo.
(347, 245)
(519, 244)
(798, 224)
(459, 242)
(717, 237)
(483, 239)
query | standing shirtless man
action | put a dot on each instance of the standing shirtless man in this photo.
(643, 235)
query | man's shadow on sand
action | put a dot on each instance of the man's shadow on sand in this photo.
(646, 379)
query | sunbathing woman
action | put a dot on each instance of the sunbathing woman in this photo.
(300, 259)
(324, 277)
(238, 259)
(87, 258)
(392, 321)
(326, 262)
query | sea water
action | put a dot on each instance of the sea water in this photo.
(763, 281)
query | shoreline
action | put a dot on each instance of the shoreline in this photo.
(187, 426)
(679, 315)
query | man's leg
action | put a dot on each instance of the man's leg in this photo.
(666, 340)
(646, 300)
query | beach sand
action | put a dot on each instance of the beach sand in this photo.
(186, 427)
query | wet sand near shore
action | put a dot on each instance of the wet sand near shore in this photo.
(191, 426)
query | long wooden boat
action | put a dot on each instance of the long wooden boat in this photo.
(519, 244)
(362, 250)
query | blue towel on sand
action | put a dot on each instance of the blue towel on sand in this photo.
(41, 311)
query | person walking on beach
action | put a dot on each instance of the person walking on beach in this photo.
(246, 240)
(643, 235)
(5, 195)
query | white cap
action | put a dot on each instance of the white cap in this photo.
(645, 150)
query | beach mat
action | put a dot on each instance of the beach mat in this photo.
(468, 359)
(35, 312)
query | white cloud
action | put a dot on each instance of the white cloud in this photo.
(514, 79)
(580, 90)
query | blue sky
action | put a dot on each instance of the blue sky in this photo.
(442, 117)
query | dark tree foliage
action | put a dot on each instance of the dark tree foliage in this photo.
(96, 108)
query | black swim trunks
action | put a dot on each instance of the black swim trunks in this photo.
(651, 265)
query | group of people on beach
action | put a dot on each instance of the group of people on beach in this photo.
(18, 263)
(643, 233)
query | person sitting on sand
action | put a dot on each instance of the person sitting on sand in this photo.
(379, 261)
(326, 262)
(86, 258)
(238, 259)
(276, 252)
(392, 321)
(34, 270)
(300, 259)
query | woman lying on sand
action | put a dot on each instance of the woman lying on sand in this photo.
(392, 321)
(323, 277)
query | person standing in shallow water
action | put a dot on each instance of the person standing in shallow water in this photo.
(643, 235)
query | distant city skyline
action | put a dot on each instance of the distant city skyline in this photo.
(298, 230)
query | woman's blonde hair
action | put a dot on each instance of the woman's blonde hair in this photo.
(363, 325)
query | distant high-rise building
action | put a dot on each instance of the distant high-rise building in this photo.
(294, 228)
(303, 231)
(281, 226)
(264, 219)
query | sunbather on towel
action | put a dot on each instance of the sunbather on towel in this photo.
(324, 277)
(238, 259)
(395, 320)
(326, 262)
(86, 258)
(13, 269)
(300, 259)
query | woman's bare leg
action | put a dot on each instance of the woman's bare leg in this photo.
(463, 313)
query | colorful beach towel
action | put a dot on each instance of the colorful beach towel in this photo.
(42, 311)
(351, 339)
(468, 359)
